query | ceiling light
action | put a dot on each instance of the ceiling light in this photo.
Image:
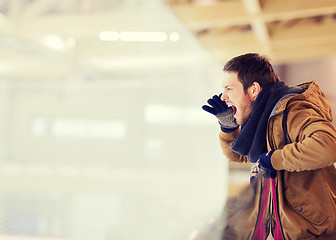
(54, 42)
(174, 37)
(143, 36)
(88, 128)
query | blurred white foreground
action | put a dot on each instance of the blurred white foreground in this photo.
(105, 139)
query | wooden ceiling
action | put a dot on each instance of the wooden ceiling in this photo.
(283, 30)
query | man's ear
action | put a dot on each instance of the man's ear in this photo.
(254, 90)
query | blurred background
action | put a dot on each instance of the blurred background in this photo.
(101, 128)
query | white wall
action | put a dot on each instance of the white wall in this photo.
(323, 71)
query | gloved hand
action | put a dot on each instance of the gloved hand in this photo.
(255, 171)
(223, 112)
(266, 165)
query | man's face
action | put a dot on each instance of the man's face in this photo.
(235, 96)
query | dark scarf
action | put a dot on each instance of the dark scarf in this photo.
(251, 140)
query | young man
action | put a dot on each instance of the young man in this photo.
(288, 133)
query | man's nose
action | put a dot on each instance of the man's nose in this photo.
(223, 97)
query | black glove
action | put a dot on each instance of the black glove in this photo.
(223, 112)
(266, 165)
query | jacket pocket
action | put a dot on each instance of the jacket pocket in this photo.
(305, 205)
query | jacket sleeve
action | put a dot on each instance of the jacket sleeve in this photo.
(225, 140)
(313, 141)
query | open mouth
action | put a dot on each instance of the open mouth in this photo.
(234, 109)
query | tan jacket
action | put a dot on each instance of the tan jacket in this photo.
(306, 176)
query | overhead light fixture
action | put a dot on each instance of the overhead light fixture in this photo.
(174, 37)
(88, 128)
(58, 43)
(143, 36)
(54, 42)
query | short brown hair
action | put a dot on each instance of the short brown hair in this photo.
(252, 67)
